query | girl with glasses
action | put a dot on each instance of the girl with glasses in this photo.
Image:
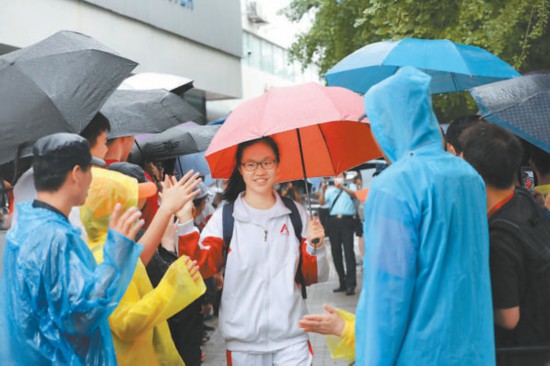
(266, 261)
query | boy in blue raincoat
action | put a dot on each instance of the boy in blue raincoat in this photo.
(426, 296)
(56, 299)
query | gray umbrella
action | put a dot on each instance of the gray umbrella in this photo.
(132, 112)
(186, 138)
(56, 85)
(521, 105)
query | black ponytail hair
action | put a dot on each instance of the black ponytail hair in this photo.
(235, 184)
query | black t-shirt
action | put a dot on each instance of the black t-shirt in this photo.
(509, 276)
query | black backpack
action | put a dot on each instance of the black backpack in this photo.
(534, 234)
(229, 222)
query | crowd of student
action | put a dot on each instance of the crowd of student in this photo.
(95, 264)
(104, 262)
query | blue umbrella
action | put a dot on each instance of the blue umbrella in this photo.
(452, 66)
(521, 105)
(219, 121)
(198, 163)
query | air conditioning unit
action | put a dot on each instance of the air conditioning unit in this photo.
(254, 13)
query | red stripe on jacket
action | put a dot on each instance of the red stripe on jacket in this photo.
(209, 257)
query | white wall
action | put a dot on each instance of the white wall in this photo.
(255, 83)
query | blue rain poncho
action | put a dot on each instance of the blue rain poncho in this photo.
(426, 297)
(56, 299)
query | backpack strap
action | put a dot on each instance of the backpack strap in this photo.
(228, 223)
(297, 224)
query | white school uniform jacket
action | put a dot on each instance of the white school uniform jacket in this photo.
(261, 302)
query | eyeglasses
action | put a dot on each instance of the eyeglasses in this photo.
(250, 166)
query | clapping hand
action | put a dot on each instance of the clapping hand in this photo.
(175, 194)
(193, 269)
(127, 223)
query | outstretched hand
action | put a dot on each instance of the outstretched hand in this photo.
(175, 194)
(331, 323)
(127, 223)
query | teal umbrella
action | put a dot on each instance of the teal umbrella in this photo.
(452, 66)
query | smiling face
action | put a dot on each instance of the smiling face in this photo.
(259, 180)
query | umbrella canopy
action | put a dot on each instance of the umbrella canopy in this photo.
(316, 128)
(186, 138)
(521, 105)
(219, 121)
(196, 162)
(132, 112)
(452, 66)
(56, 85)
(152, 80)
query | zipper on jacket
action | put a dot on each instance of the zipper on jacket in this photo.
(265, 236)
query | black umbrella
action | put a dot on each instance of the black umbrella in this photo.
(56, 85)
(132, 112)
(521, 105)
(186, 138)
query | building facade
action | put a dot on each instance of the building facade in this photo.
(228, 47)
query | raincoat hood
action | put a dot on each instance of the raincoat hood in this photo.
(107, 189)
(138, 325)
(401, 115)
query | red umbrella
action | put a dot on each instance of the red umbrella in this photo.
(317, 128)
(324, 118)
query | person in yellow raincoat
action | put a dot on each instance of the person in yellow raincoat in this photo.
(140, 332)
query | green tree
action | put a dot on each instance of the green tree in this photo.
(518, 31)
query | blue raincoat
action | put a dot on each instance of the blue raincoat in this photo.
(426, 297)
(56, 298)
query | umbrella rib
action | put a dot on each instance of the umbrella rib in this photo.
(304, 168)
(462, 60)
(454, 81)
(326, 144)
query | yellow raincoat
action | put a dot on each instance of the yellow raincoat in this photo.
(140, 332)
(343, 347)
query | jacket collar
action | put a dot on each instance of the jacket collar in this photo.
(242, 213)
